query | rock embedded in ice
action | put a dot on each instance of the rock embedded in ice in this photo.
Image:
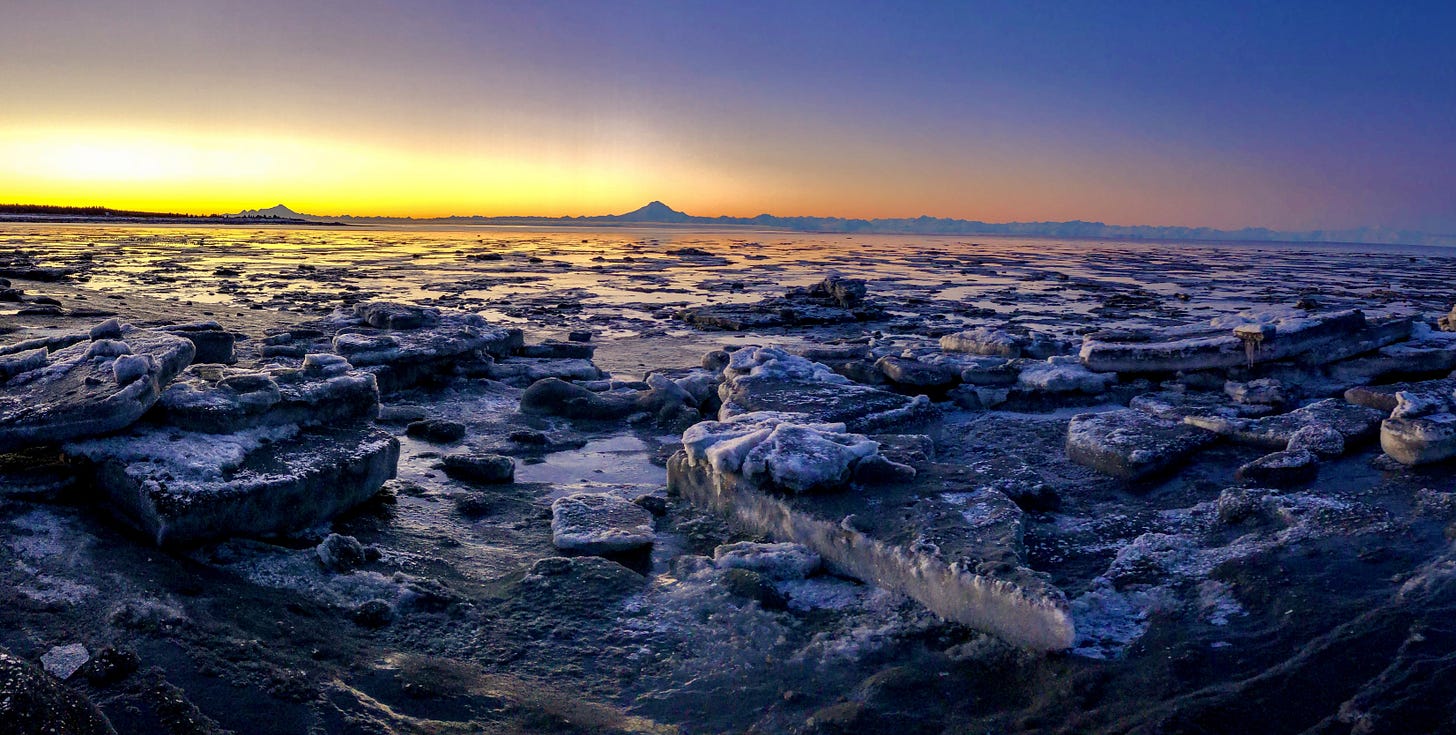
(398, 414)
(1174, 405)
(391, 315)
(878, 469)
(778, 561)
(339, 553)
(938, 370)
(1131, 444)
(109, 329)
(63, 662)
(552, 349)
(439, 431)
(832, 301)
(323, 365)
(479, 468)
(1281, 469)
(1238, 504)
(556, 397)
(375, 613)
(75, 392)
(213, 343)
(599, 523)
(33, 702)
(847, 292)
(108, 348)
(991, 371)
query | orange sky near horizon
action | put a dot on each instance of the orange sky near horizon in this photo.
(210, 171)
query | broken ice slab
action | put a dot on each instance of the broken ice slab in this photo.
(957, 551)
(768, 379)
(1422, 427)
(1427, 354)
(1063, 374)
(1173, 405)
(1353, 423)
(400, 358)
(1383, 397)
(1422, 440)
(92, 387)
(599, 523)
(183, 488)
(1196, 347)
(1131, 444)
(983, 341)
(214, 399)
(524, 371)
(213, 343)
(1246, 339)
(834, 300)
(1280, 469)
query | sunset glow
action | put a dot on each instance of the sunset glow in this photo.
(991, 113)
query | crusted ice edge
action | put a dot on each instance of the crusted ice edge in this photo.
(1037, 618)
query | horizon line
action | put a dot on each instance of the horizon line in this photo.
(743, 220)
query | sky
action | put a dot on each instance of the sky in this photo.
(1290, 115)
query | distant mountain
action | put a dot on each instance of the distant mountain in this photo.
(658, 213)
(278, 210)
(653, 212)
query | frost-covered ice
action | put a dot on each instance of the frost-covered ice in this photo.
(193, 461)
(599, 523)
(782, 561)
(772, 448)
(1131, 444)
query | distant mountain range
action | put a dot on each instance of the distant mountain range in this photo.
(277, 210)
(659, 213)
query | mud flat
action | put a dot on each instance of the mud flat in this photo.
(460, 481)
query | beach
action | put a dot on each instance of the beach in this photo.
(669, 480)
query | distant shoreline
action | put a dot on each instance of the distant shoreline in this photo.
(657, 215)
(51, 219)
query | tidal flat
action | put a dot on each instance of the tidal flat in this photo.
(380, 480)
